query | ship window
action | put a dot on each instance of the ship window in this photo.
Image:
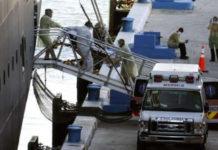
(4, 77)
(22, 50)
(12, 62)
(8, 70)
(16, 57)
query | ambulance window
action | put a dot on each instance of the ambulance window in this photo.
(211, 90)
(172, 100)
(148, 99)
(140, 87)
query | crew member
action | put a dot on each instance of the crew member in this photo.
(174, 41)
(83, 44)
(213, 38)
(129, 67)
(46, 23)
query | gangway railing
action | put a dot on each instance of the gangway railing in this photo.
(111, 78)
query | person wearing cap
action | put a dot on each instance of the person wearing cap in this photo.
(84, 36)
(46, 23)
(174, 41)
(213, 38)
(129, 67)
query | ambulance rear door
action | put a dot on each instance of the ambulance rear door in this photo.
(138, 94)
(211, 91)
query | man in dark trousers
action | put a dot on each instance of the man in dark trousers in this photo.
(82, 90)
(174, 41)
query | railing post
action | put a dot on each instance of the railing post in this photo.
(108, 76)
(141, 67)
(61, 47)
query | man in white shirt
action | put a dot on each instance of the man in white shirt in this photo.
(83, 44)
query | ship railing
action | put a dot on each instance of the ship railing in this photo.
(110, 52)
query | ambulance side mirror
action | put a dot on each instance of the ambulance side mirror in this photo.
(140, 87)
(206, 107)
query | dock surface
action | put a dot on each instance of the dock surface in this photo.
(123, 136)
(195, 23)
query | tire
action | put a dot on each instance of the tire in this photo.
(139, 143)
(200, 147)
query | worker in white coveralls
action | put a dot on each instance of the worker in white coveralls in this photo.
(129, 67)
(83, 45)
(46, 23)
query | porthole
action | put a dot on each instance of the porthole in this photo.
(23, 50)
(4, 80)
(12, 62)
(16, 56)
(8, 70)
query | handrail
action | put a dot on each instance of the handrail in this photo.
(142, 62)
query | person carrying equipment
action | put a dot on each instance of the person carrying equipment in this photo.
(174, 41)
(83, 44)
(46, 23)
(213, 38)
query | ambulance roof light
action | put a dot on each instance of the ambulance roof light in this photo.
(189, 79)
(158, 78)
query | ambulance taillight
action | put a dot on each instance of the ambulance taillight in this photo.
(189, 79)
(158, 78)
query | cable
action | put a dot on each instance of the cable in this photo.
(113, 117)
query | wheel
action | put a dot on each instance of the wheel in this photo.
(200, 147)
(139, 143)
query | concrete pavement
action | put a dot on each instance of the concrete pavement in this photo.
(195, 24)
(123, 136)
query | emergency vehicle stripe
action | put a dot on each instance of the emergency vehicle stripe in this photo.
(211, 115)
(216, 116)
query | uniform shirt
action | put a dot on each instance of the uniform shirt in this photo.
(46, 23)
(129, 64)
(213, 38)
(174, 40)
(83, 32)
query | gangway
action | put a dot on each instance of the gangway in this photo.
(109, 74)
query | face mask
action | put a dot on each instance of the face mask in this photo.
(179, 33)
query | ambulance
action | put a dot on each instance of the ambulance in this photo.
(173, 107)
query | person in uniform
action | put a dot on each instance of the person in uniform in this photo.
(129, 67)
(83, 45)
(213, 38)
(46, 23)
(83, 48)
(174, 41)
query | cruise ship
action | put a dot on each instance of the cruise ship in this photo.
(16, 57)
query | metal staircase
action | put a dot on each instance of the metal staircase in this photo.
(110, 78)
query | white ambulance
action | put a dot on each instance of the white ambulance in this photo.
(174, 106)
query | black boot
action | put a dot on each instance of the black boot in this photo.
(217, 54)
(212, 55)
(182, 48)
